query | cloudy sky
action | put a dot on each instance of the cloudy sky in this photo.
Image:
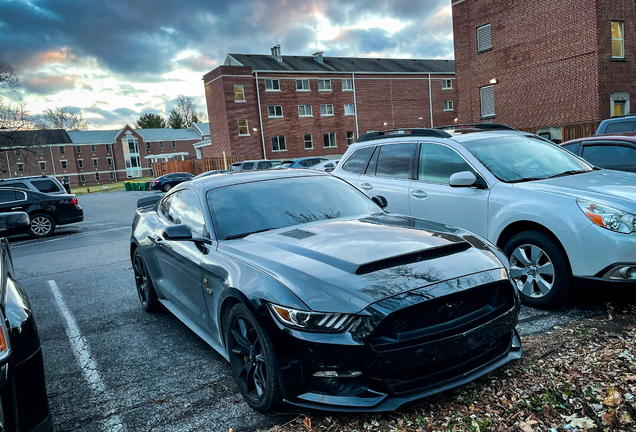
(117, 59)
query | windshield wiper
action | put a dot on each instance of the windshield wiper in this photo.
(567, 173)
(527, 179)
(235, 236)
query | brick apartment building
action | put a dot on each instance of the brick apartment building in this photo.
(87, 158)
(546, 63)
(276, 106)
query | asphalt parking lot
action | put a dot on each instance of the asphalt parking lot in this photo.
(112, 367)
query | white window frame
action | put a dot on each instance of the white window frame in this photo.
(42, 163)
(247, 127)
(80, 163)
(241, 92)
(271, 85)
(109, 161)
(481, 102)
(351, 139)
(111, 175)
(311, 141)
(107, 146)
(351, 112)
(622, 40)
(447, 84)
(329, 135)
(64, 164)
(41, 151)
(67, 180)
(93, 149)
(78, 149)
(82, 178)
(148, 145)
(489, 47)
(303, 89)
(277, 139)
(350, 84)
(326, 110)
(311, 114)
(20, 167)
(62, 149)
(97, 176)
(269, 113)
(448, 105)
(174, 144)
(18, 153)
(161, 145)
(95, 162)
(323, 82)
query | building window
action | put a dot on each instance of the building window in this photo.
(148, 146)
(83, 178)
(329, 140)
(278, 143)
(350, 138)
(618, 108)
(304, 111)
(243, 128)
(324, 85)
(80, 163)
(64, 164)
(347, 84)
(272, 85)
(618, 40)
(275, 111)
(326, 110)
(239, 93)
(487, 98)
(484, 40)
(66, 180)
(95, 162)
(42, 166)
(96, 176)
(174, 144)
(78, 149)
(349, 109)
(18, 152)
(109, 161)
(160, 144)
(40, 151)
(309, 142)
(61, 149)
(111, 175)
(619, 104)
(93, 148)
(20, 167)
(107, 147)
(302, 85)
(447, 84)
(448, 105)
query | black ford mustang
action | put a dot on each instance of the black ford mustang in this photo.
(318, 297)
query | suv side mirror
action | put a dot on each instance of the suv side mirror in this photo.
(13, 223)
(380, 201)
(462, 179)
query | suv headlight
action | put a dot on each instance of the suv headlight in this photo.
(608, 217)
(311, 321)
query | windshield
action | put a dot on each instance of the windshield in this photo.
(259, 206)
(523, 158)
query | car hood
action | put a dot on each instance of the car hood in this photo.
(344, 265)
(617, 188)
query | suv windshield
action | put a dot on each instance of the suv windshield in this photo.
(253, 207)
(524, 158)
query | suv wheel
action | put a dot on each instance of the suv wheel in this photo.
(42, 225)
(539, 267)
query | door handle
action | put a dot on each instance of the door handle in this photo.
(16, 208)
(366, 186)
(155, 239)
(419, 194)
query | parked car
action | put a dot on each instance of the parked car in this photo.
(617, 152)
(168, 181)
(313, 293)
(45, 211)
(618, 124)
(253, 165)
(44, 184)
(558, 218)
(208, 173)
(326, 166)
(23, 399)
(309, 162)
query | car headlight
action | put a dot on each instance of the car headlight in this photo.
(608, 217)
(311, 321)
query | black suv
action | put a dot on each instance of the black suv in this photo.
(618, 124)
(44, 184)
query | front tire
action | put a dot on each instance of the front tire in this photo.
(540, 268)
(145, 289)
(42, 225)
(252, 360)
(167, 187)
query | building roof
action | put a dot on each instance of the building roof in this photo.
(25, 138)
(167, 134)
(93, 137)
(262, 62)
(203, 127)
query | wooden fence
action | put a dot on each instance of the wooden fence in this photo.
(194, 166)
(579, 130)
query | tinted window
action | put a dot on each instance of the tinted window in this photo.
(357, 161)
(186, 209)
(18, 185)
(611, 157)
(45, 186)
(164, 207)
(620, 127)
(574, 147)
(373, 164)
(264, 165)
(248, 165)
(280, 203)
(438, 163)
(395, 160)
(305, 163)
(8, 196)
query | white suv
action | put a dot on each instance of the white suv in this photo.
(558, 218)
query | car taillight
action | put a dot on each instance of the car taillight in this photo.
(74, 200)
(5, 344)
(154, 181)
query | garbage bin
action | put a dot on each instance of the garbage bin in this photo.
(142, 186)
(127, 185)
(135, 186)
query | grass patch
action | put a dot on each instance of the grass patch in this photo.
(112, 187)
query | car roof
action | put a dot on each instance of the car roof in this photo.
(36, 177)
(204, 184)
(624, 136)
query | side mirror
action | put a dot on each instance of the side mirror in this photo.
(177, 232)
(380, 201)
(13, 223)
(462, 179)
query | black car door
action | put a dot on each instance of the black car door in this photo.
(615, 155)
(180, 261)
(12, 201)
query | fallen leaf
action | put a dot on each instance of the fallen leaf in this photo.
(546, 411)
(525, 427)
(608, 418)
(127, 268)
(631, 378)
(307, 423)
(613, 398)
(582, 422)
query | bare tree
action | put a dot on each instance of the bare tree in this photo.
(8, 76)
(186, 110)
(61, 118)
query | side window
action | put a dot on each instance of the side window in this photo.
(395, 160)
(186, 209)
(438, 163)
(358, 160)
(18, 185)
(45, 186)
(305, 162)
(164, 207)
(620, 127)
(264, 165)
(248, 165)
(610, 156)
(8, 196)
(373, 164)
(574, 147)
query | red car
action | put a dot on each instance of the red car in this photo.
(616, 151)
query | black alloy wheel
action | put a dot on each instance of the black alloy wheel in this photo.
(145, 289)
(252, 360)
(167, 187)
(42, 225)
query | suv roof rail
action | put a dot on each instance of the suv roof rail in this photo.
(401, 132)
(25, 177)
(621, 116)
(478, 126)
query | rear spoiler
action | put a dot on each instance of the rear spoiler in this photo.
(148, 201)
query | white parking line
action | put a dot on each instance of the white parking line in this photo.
(82, 352)
(20, 244)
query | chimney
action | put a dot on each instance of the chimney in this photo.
(276, 55)
(318, 56)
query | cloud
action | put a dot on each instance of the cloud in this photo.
(129, 90)
(198, 63)
(50, 84)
